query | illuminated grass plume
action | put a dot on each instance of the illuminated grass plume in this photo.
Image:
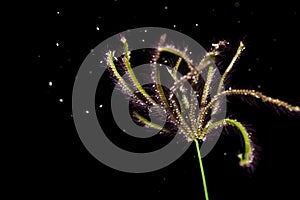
(196, 126)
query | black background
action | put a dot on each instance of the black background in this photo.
(57, 164)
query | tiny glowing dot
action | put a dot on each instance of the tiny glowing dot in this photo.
(190, 53)
(259, 86)
(197, 24)
(61, 100)
(165, 61)
(57, 44)
(143, 40)
(100, 106)
(97, 28)
(166, 7)
(146, 30)
(225, 153)
(90, 72)
(50, 83)
(249, 69)
(174, 25)
(87, 112)
(57, 12)
(101, 61)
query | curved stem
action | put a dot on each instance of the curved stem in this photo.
(224, 76)
(202, 170)
(132, 76)
(246, 157)
(244, 92)
(235, 57)
(149, 123)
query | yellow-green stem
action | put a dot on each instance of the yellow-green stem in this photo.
(202, 170)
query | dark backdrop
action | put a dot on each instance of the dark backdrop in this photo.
(57, 164)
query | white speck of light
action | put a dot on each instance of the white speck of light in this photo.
(146, 30)
(166, 7)
(57, 12)
(97, 28)
(165, 61)
(57, 44)
(249, 69)
(61, 100)
(143, 40)
(196, 24)
(87, 111)
(174, 25)
(100, 106)
(90, 71)
(101, 61)
(259, 86)
(50, 83)
(190, 53)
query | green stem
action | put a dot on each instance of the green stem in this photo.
(202, 170)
